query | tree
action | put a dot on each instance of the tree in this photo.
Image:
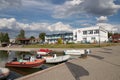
(32, 37)
(21, 34)
(59, 41)
(109, 34)
(4, 37)
(42, 36)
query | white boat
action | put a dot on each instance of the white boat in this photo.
(77, 52)
(4, 72)
(56, 59)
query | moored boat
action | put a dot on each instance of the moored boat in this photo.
(77, 52)
(4, 72)
(57, 59)
(25, 63)
(44, 51)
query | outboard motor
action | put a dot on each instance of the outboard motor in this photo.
(87, 51)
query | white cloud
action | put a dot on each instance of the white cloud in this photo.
(109, 27)
(95, 7)
(9, 3)
(102, 19)
(14, 25)
(37, 4)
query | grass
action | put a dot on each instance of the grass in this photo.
(70, 45)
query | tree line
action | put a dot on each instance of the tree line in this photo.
(4, 37)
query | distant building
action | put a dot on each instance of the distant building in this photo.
(116, 38)
(52, 38)
(22, 41)
(36, 40)
(82, 35)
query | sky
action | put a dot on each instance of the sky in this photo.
(55, 16)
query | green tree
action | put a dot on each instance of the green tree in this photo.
(42, 36)
(60, 41)
(109, 34)
(21, 34)
(1, 37)
(32, 37)
(4, 37)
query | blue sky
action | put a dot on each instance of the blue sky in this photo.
(51, 16)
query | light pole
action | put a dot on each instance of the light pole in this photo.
(99, 36)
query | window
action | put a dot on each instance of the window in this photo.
(96, 31)
(92, 38)
(84, 32)
(90, 32)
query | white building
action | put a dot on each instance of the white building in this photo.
(82, 35)
(90, 35)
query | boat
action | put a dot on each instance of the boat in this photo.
(43, 51)
(77, 52)
(4, 72)
(56, 59)
(26, 63)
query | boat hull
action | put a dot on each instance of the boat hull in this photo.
(42, 53)
(4, 72)
(58, 59)
(74, 52)
(29, 64)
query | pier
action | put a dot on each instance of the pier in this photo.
(101, 64)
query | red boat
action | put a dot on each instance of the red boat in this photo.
(43, 51)
(28, 64)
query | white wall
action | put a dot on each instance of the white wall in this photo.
(103, 36)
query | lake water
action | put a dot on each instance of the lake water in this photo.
(18, 72)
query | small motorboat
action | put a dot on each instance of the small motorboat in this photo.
(25, 63)
(56, 59)
(77, 52)
(43, 51)
(4, 72)
(28, 61)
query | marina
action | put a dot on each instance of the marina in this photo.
(101, 64)
(15, 71)
(101, 60)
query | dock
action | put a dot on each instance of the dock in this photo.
(101, 64)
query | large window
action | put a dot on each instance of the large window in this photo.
(93, 38)
(84, 32)
(90, 32)
(96, 31)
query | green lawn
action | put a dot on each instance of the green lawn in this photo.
(70, 45)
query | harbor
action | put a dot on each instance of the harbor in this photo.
(102, 64)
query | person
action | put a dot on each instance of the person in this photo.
(32, 58)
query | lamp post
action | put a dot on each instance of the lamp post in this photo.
(99, 36)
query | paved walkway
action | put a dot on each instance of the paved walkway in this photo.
(102, 64)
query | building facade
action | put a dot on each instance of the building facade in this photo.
(53, 38)
(90, 35)
(82, 35)
(116, 38)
